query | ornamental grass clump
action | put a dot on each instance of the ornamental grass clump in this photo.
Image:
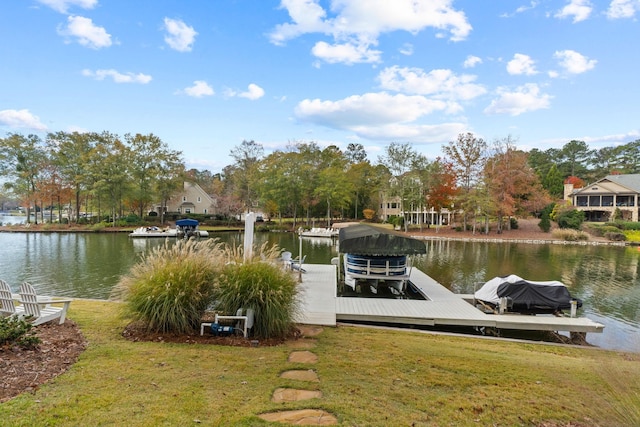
(570, 235)
(171, 287)
(264, 286)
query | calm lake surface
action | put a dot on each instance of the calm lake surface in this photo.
(606, 278)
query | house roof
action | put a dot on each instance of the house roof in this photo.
(630, 181)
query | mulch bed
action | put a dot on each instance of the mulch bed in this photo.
(24, 370)
(136, 331)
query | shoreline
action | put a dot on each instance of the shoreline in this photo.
(528, 232)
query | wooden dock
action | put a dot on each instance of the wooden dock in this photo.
(320, 305)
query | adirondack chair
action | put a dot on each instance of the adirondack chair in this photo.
(32, 306)
(296, 264)
(7, 305)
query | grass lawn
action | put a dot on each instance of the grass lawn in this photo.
(368, 377)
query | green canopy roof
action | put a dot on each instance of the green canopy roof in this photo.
(364, 239)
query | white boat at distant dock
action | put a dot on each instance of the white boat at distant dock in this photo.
(319, 232)
(154, 231)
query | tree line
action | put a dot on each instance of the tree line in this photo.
(116, 175)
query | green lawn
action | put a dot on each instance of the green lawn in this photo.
(368, 377)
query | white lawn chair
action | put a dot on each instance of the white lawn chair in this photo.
(286, 260)
(32, 306)
(296, 264)
(7, 305)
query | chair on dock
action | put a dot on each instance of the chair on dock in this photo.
(31, 304)
(286, 260)
(7, 305)
(296, 264)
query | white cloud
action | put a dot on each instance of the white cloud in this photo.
(253, 92)
(199, 89)
(86, 33)
(520, 9)
(358, 23)
(471, 61)
(345, 53)
(521, 64)
(574, 62)
(440, 84)
(524, 99)
(180, 36)
(380, 116)
(623, 9)
(579, 9)
(406, 49)
(63, 5)
(117, 76)
(21, 119)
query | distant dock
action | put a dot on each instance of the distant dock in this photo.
(320, 305)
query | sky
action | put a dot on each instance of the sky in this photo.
(204, 75)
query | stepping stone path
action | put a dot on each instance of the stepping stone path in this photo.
(302, 355)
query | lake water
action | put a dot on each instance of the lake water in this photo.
(606, 278)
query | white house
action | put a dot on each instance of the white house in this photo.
(191, 200)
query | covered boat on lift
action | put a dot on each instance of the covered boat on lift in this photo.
(515, 294)
(376, 259)
(189, 228)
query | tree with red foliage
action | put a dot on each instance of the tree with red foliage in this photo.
(577, 182)
(442, 186)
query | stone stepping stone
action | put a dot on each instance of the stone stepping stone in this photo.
(303, 356)
(293, 395)
(310, 330)
(301, 375)
(307, 417)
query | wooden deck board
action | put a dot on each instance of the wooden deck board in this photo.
(319, 305)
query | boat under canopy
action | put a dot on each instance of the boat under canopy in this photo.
(189, 228)
(365, 239)
(375, 260)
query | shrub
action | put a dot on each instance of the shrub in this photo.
(570, 219)
(98, 226)
(618, 225)
(17, 331)
(570, 235)
(629, 225)
(368, 214)
(513, 223)
(632, 235)
(170, 288)
(615, 236)
(545, 224)
(264, 287)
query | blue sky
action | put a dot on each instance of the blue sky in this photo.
(204, 75)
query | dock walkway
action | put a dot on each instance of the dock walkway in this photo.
(320, 305)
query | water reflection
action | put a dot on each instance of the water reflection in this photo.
(606, 278)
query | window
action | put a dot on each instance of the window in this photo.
(187, 210)
(184, 198)
(624, 201)
(582, 201)
(607, 200)
(594, 200)
(199, 200)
